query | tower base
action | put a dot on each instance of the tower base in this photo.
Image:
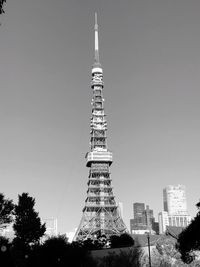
(100, 222)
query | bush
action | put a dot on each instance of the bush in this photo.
(5, 253)
(124, 240)
(130, 258)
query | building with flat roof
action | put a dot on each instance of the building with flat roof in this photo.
(175, 208)
(51, 225)
(143, 220)
(174, 200)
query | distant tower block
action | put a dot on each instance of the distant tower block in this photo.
(174, 200)
(121, 209)
(51, 226)
(100, 214)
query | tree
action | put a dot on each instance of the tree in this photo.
(188, 242)
(6, 211)
(28, 230)
(1, 6)
(165, 253)
(53, 252)
(98, 243)
(57, 252)
(124, 240)
(27, 226)
(5, 254)
(114, 241)
(131, 257)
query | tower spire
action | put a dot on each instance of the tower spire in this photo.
(96, 42)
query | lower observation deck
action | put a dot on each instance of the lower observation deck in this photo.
(99, 156)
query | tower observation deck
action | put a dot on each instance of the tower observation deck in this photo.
(100, 213)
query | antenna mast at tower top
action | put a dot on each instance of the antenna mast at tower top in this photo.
(96, 42)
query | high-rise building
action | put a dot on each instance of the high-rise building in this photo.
(175, 208)
(149, 218)
(138, 213)
(174, 200)
(121, 209)
(51, 226)
(163, 221)
(143, 219)
(100, 214)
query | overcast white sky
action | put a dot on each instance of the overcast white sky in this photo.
(150, 52)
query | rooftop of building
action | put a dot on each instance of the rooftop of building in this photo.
(173, 231)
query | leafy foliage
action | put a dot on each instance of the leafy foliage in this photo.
(57, 252)
(5, 255)
(189, 239)
(6, 210)
(52, 253)
(1, 6)
(130, 258)
(28, 228)
(165, 253)
(90, 244)
(124, 240)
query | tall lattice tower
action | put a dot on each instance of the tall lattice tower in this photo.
(101, 214)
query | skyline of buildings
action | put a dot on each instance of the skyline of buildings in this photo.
(174, 213)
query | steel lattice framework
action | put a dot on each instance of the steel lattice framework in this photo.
(101, 215)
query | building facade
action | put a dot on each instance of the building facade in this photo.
(175, 208)
(163, 221)
(174, 200)
(51, 226)
(121, 209)
(138, 213)
(143, 220)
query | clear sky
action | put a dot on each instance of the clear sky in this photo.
(150, 53)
